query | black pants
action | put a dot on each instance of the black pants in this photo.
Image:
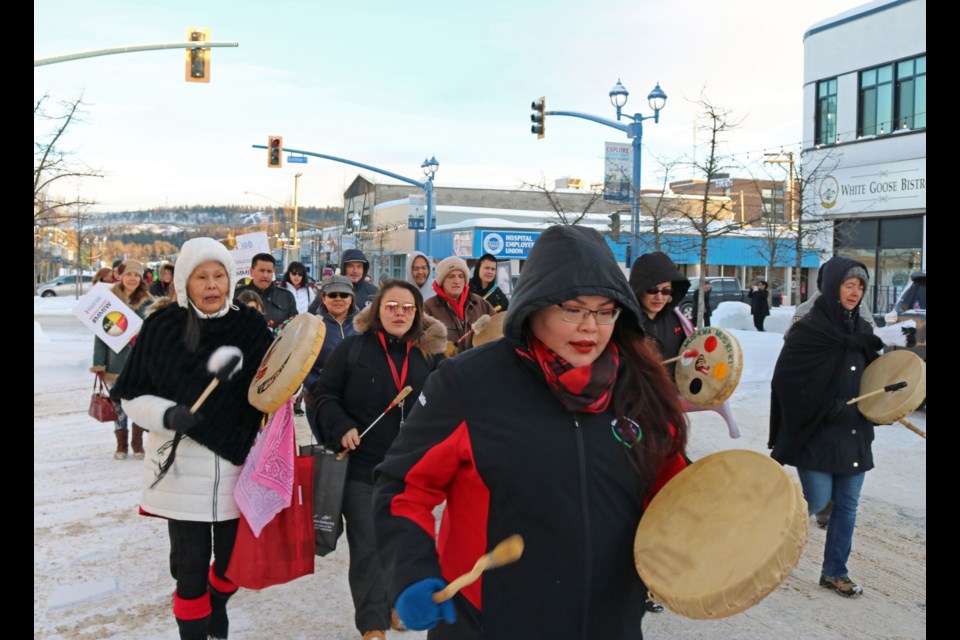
(190, 550)
(758, 322)
(367, 584)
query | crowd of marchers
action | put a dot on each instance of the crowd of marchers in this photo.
(562, 429)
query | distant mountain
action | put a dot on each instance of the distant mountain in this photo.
(173, 221)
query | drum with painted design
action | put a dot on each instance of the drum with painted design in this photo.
(709, 368)
(287, 362)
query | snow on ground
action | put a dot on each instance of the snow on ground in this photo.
(100, 570)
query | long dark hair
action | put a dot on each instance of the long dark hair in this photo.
(419, 322)
(645, 393)
(299, 268)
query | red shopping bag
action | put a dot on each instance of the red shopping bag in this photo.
(285, 549)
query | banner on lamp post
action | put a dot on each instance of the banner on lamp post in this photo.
(617, 171)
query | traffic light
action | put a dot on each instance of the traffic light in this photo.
(198, 58)
(275, 152)
(539, 117)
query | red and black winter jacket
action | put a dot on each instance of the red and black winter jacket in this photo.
(488, 436)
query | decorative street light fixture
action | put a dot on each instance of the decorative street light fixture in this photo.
(634, 130)
(430, 170)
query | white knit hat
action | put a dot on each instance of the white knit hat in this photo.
(449, 265)
(195, 252)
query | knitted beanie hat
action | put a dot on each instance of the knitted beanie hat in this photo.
(195, 252)
(130, 264)
(448, 266)
(856, 271)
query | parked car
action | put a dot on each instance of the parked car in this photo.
(725, 289)
(65, 286)
(912, 305)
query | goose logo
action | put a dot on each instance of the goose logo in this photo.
(493, 243)
(828, 192)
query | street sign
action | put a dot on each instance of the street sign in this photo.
(414, 222)
(300, 159)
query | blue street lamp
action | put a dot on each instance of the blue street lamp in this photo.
(618, 98)
(429, 169)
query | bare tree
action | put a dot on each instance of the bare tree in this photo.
(775, 214)
(714, 217)
(54, 167)
(556, 201)
(666, 211)
(809, 226)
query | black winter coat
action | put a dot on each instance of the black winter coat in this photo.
(818, 370)
(279, 305)
(356, 385)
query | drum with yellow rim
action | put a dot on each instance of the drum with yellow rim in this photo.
(721, 535)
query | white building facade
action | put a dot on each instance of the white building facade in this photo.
(865, 139)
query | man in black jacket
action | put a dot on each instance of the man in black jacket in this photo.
(355, 266)
(279, 304)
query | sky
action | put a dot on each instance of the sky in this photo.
(391, 83)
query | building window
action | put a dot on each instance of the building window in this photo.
(826, 111)
(772, 203)
(876, 101)
(912, 93)
(893, 96)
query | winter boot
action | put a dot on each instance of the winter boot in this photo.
(121, 453)
(193, 616)
(221, 590)
(136, 442)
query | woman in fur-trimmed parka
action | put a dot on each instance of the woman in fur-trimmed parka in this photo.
(560, 431)
(194, 460)
(398, 346)
(135, 293)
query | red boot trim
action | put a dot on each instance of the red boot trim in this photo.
(220, 584)
(191, 609)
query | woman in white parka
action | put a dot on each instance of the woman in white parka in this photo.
(193, 460)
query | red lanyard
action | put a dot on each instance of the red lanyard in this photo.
(397, 379)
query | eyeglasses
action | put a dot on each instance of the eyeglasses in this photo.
(576, 315)
(626, 431)
(666, 291)
(337, 294)
(393, 307)
(296, 273)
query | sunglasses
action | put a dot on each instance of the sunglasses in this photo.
(394, 307)
(666, 291)
(626, 431)
(337, 294)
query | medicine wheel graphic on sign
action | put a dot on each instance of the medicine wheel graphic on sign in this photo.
(115, 323)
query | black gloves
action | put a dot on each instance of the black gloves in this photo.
(178, 418)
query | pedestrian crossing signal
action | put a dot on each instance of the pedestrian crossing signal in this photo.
(275, 152)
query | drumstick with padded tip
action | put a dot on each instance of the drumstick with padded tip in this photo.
(223, 364)
(400, 396)
(689, 353)
(507, 551)
(896, 386)
(478, 325)
(916, 430)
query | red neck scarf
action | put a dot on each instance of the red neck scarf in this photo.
(588, 388)
(457, 306)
